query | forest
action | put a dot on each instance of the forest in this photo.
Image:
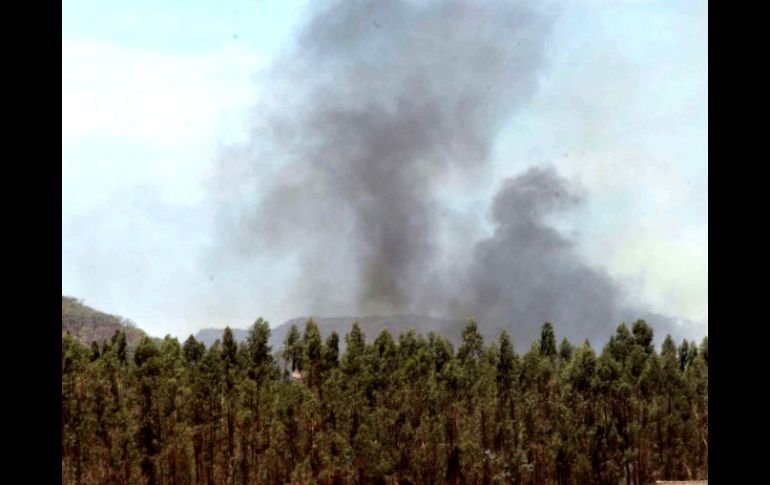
(409, 409)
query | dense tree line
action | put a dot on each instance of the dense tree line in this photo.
(412, 410)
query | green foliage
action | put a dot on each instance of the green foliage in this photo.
(193, 350)
(259, 350)
(331, 352)
(565, 350)
(292, 349)
(547, 340)
(643, 336)
(145, 352)
(229, 348)
(313, 349)
(399, 410)
(473, 342)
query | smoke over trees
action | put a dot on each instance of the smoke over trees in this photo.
(527, 272)
(373, 109)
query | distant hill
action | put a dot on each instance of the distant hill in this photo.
(370, 325)
(88, 325)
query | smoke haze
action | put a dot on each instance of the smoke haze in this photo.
(378, 105)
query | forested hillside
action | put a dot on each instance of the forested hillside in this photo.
(88, 325)
(410, 409)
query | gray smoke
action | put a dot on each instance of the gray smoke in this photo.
(377, 105)
(528, 272)
(386, 98)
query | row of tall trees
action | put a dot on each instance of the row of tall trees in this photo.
(394, 411)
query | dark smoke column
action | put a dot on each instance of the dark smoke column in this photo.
(386, 99)
(528, 273)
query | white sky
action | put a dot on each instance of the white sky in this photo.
(151, 95)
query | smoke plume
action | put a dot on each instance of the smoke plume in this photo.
(527, 272)
(376, 106)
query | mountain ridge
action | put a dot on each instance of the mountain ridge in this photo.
(88, 325)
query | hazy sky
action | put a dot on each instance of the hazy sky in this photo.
(153, 95)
